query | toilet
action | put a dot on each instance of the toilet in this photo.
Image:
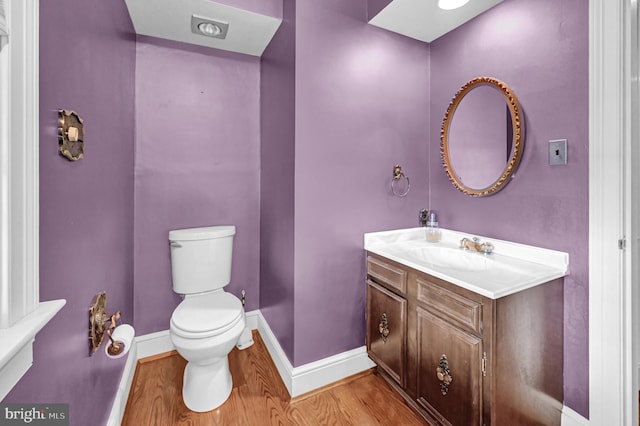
(207, 324)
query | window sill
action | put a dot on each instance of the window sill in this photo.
(16, 344)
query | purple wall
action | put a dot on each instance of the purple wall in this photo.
(87, 59)
(308, 151)
(197, 164)
(362, 105)
(539, 48)
(277, 164)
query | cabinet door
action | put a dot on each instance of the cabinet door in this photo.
(449, 354)
(386, 330)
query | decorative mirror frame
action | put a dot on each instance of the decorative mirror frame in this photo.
(518, 137)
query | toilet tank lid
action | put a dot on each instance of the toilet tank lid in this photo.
(204, 233)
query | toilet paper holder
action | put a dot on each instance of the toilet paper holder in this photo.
(100, 323)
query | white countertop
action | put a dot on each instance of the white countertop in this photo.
(511, 268)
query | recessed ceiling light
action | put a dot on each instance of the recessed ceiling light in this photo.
(209, 27)
(451, 4)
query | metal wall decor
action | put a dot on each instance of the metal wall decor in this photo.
(100, 324)
(397, 188)
(70, 135)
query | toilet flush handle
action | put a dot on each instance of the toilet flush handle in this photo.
(175, 244)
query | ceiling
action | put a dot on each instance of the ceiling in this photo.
(248, 32)
(424, 20)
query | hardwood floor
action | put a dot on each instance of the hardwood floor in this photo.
(260, 398)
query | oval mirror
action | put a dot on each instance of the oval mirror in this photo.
(482, 137)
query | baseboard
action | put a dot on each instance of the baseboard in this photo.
(571, 418)
(153, 344)
(303, 379)
(282, 363)
(320, 373)
(142, 347)
(122, 394)
(298, 380)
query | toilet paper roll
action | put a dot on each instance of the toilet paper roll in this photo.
(124, 334)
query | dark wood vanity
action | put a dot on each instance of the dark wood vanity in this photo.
(461, 358)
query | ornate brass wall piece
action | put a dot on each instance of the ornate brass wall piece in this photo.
(444, 375)
(70, 135)
(101, 323)
(514, 144)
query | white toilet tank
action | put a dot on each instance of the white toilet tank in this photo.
(201, 258)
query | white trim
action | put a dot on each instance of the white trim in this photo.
(21, 313)
(611, 397)
(122, 394)
(19, 136)
(253, 319)
(142, 347)
(153, 344)
(571, 418)
(308, 377)
(4, 31)
(314, 375)
(632, 209)
(16, 358)
(298, 380)
(276, 352)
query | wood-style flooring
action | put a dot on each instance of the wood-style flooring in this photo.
(259, 397)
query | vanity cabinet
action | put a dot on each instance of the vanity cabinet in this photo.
(461, 358)
(387, 313)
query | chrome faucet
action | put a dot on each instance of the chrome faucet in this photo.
(474, 243)
(423, 217)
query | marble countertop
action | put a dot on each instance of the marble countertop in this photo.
(510, 268)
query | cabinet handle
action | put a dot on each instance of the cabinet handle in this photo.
(444, 374)
(384, 327)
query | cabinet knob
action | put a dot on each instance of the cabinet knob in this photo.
(384, 327)
(444, 374)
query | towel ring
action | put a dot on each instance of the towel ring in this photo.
(397, 176)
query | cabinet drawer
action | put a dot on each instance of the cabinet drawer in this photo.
(388, 274)
(465, 313)
(387, 314)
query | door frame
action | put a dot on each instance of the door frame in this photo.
(613, 179)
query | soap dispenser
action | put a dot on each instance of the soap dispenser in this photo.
(433, 232)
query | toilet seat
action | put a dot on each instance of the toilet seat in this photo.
(206, 315)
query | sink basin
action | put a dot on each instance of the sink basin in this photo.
(510, 268)
(451, 258)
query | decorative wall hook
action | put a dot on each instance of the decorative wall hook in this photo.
(100, 324)
(70, 135)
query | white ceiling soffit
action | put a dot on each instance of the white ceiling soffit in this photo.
(424, 20)
(248, 32)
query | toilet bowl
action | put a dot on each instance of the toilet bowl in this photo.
(204, 329)
(207, 324)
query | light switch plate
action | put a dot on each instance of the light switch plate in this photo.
(558, 152)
